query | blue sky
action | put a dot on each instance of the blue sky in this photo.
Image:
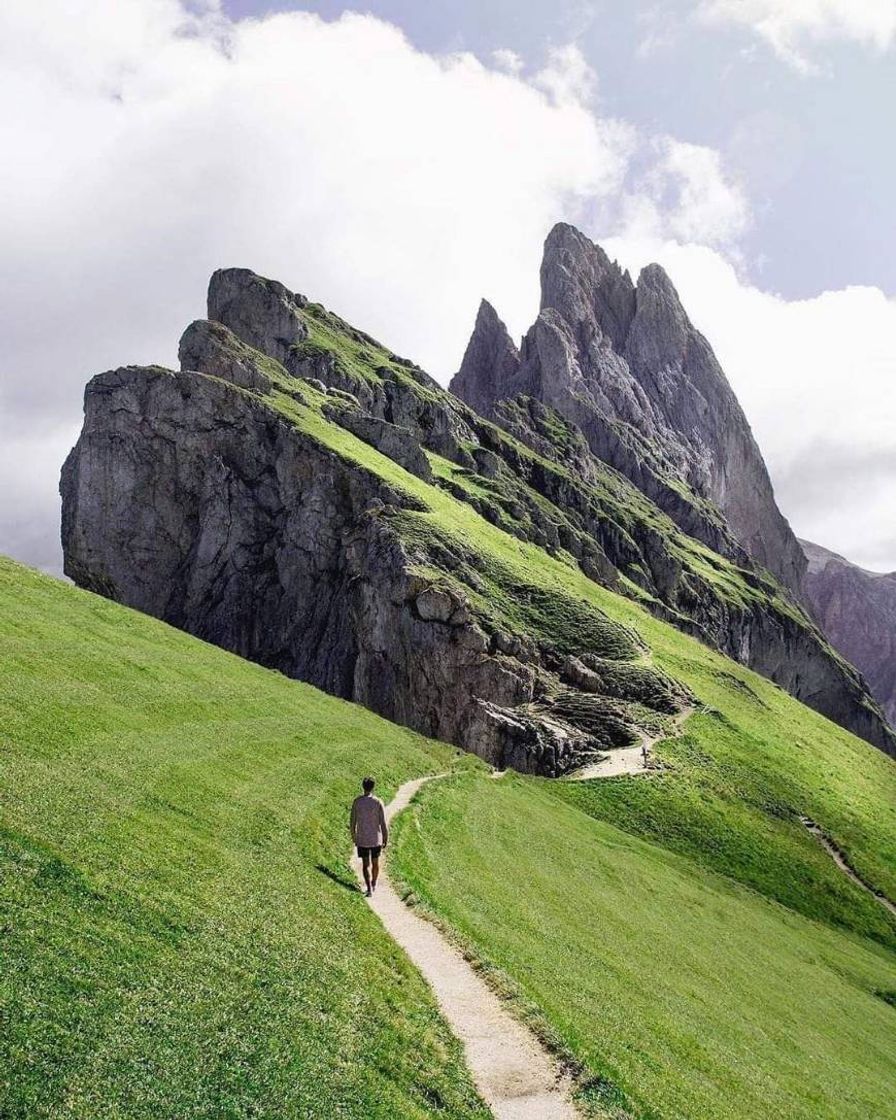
(398, 162)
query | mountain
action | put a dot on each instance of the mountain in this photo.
(857, 611)
(623, 362)
(302, 496)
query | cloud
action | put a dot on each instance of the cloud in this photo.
(815, 378)
(508, 61)
(684, 193)
(793, 27)
(566, 77)
(152, 143)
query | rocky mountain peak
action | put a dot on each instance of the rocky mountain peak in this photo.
(490, 362)
(264, 313)
(580, 281)
(624, 363)
(276, 495)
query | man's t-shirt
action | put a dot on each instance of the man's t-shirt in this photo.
(368, 821)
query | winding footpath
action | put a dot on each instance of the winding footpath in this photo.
(839, 857)
(513, 1073)
(628, 760)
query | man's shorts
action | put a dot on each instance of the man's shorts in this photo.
(364, 853)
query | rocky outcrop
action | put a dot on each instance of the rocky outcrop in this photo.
(491, 362)
(263, 313)
(395, 442)
(623, 362)
(234, 499)
(857, 611)
(213, 348)
(191, 497)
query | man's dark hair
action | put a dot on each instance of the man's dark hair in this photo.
(368, 784)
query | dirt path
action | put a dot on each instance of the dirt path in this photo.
(628, 760)
(839, 857)
(512, 1071)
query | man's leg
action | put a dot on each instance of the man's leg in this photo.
(376, 870)
(365, 867)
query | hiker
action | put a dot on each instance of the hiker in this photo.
(644, 754)
(369, 832)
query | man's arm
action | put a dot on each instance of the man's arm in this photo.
(353, 820)
(384, 828)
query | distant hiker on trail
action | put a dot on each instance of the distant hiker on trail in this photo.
(369, 832)
(645, 754)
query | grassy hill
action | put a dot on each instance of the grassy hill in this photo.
(679, 992)
(177, 936)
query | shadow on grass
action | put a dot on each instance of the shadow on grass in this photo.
(342, 880)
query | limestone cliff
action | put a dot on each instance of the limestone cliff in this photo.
(857, 611)
(295, 493)
(623, 362)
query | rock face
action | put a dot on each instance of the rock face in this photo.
(263, 313)
(857, 611)
(623, 362)
(280, 496)
(190, 497)
(253, 536)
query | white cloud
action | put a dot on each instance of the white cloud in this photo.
(150, 146)
(815, 378)
(685, 194)
(793, 27)
(567, 77)
(508, 61)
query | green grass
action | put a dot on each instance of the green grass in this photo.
(172, 942)
(679, 992)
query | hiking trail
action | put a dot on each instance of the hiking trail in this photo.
(839, 857)
(628, 760)
(513, 1073)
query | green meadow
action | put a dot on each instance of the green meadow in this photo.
(676, 991)
(180, 932)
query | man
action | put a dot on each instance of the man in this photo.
(369, 832)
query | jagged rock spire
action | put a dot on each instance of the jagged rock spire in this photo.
(490, 363)
(624, 362)
(580, 281)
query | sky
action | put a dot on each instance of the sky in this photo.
(401, 160)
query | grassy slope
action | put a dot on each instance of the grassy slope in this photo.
(681, 993)
(170, 946)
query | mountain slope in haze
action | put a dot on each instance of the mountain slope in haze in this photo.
(304, 497)
(857, 611)
(177, 936)
(623, 362)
